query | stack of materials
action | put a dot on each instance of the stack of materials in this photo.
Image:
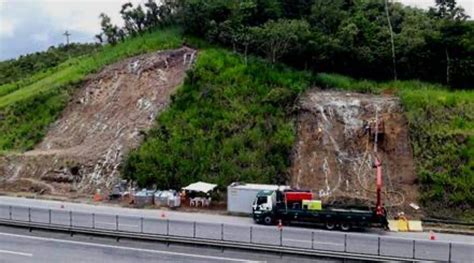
(167, 198)
(144, 198)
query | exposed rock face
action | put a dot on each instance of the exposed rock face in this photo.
(334, 154)
(104, 120)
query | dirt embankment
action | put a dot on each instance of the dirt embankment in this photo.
(334, 153)
(105, 119)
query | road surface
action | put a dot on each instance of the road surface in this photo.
(20, 246)
(187, 216)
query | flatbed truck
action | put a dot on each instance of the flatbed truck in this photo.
(287, 206)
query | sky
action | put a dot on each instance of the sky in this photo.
(28, 26)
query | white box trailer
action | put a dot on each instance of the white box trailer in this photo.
(240, 196)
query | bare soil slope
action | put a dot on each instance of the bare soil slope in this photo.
(106, 118)
(334, 155)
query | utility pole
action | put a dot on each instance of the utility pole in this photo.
(67, 34)
(392, 41)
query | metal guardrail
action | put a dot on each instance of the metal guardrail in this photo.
(288, 241)
(446, 221)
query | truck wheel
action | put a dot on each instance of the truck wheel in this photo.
(330, 226)
(268, 220)
(345, 226)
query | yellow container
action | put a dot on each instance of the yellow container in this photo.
(312, 204)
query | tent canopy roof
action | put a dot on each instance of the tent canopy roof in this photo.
(200, 187)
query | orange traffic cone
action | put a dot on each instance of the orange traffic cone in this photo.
(432, 235)
(280, 225)
(97, 197)
(163, 214)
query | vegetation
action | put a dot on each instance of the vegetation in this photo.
(373, 39)
(229, 122)
(28, 65)
(441, 126)
(232, 118)
(28, 106)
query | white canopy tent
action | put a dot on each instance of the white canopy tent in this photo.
(200, 187)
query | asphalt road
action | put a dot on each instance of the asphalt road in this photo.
(459, 248)
(198, 217)
(17, 245)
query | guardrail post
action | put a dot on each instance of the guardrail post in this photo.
(251, 234)
(450, 247)
(222, 231)
(312, 239)
(378, 246)
(49, 216)
(345, 242)
(116, 222)
(70, 218)
(414, 250)
(141, 224)
(167, 227)
(194, 229)
(93, 221)
(10, 212)
(29, 214)
(281, 237)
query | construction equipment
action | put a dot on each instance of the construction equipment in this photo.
(270, 207)
(296, 206)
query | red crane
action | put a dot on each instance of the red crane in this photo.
(379, 182)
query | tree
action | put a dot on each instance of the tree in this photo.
(100, 38)
(109, 30)
(135, 19)
(126, 13)
(450, 18)
(139, 17)
(152, 17)
(277, 38)
(449, 10)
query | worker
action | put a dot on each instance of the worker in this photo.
(402, 222)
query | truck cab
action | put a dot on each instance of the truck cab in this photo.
(263, 208)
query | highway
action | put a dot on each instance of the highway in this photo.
(187, 216)
(458, 248)
(17, 245)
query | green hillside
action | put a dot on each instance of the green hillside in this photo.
(25, 66)
(229, 122)
(29, 105)
(233, 118)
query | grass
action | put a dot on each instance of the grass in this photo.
(228, 122)
(28, 106)
(441, 124)
(233, 122)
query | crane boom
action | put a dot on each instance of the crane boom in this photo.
(379, 183)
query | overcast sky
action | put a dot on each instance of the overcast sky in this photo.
(32, 25)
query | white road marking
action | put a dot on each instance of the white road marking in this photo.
(16, 253)
(126, 248)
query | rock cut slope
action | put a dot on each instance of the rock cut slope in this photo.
(106, 118)
(334, 156)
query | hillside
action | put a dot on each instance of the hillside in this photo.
(13, 70)
(29, 105)
(108, 115)
(334, 153)
(235, 118)
(441, 125)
